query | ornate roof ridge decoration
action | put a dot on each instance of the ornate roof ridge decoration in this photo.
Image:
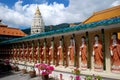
(91, 25)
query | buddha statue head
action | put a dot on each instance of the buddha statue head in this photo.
(60, 42)
(71, 41)
(114, 36)
(96, 37)
(83, 39)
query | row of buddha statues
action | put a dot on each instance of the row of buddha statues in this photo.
(58, 55)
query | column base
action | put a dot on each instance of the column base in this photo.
(115, 69)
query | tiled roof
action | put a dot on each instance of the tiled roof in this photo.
(4, 30)
(104, 14)
(65, 30)
(90, 25)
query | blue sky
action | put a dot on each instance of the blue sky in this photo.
(19, 13)
(10, 3)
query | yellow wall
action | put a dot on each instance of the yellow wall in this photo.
(119, 35)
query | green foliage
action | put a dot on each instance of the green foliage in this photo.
(77, 23)
(56, 27)
(76, 71)
(88, 77)
(49, 28)
(98, 77)
(27, 31)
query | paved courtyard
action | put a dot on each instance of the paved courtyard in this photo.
(20, 76)
(16, 76)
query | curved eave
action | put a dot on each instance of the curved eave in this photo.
(80, 28)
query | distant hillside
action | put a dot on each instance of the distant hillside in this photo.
(56, 27)
(50, 27)
(27, 31)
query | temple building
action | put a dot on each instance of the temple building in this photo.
(104, 14)
(37, 23)
(93, 47)
(7, 33)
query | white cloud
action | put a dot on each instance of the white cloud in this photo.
(18, 6)
(77, 11)
(117, 2)
(14, 17)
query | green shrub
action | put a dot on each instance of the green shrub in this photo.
(88, 77)
(98, 77)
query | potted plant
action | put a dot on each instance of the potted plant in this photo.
(44, 70)
(98, 77)
(76, 72)
(32, 73)
(88, 77)
(24, 71)
(16, 68)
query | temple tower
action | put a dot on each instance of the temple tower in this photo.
(37, 23)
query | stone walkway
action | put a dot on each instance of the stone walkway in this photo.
(20, 76)
(16, 76)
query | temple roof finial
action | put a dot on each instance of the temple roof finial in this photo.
(37, 11)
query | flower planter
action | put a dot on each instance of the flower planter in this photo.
(24, 71)
(32, 73)
(44, 70)
(45, 77)
(16, 68)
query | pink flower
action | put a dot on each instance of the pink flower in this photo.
(44, 68)
(71, 77)
(77, 77)
(50, 68)
(36, 65)
(44, 73)
(49, 72)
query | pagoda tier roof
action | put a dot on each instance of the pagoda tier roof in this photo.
(80, 28)
(104, 14)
